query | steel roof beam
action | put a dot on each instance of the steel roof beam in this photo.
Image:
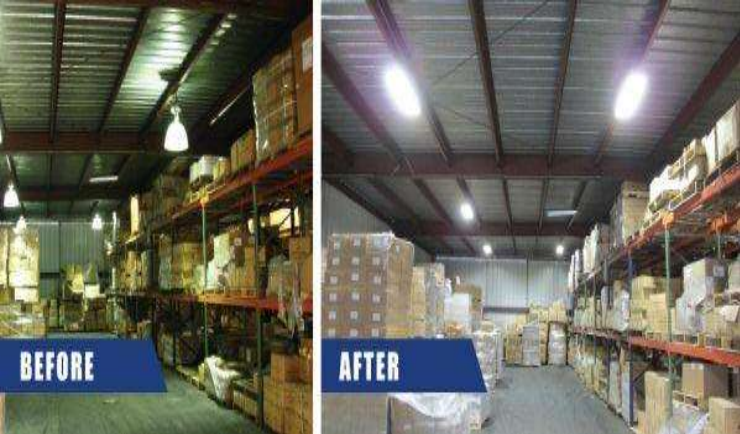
(60, 13)
(352, 95)
(481, 166)
(657, 24)
(196, 52)
(439, 210)
(270, 10)
(478, 18)
(332, 143)
(488, 229)
(509, 216)
(722, 68)
(125, 64)
(71, 193)
(577, 201)
(395, 40)
(562, 75)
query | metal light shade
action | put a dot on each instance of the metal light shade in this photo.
(176, 139)
(97, 223)
(11, 198)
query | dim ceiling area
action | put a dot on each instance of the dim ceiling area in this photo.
(516, 111)
(86, 88)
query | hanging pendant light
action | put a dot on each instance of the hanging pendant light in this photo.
(176, 139)
(97, 223)
(11, 199)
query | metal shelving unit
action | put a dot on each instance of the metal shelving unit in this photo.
(690, 229)
(286, 177)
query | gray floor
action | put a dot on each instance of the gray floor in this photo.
(549, 400)
(182, 410)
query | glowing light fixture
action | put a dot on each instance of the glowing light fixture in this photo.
(176, 139)
(21, 225)
(467, 212)
(97, 222)
(559, 250)
(554, 213)
(103, 179)
(630, 95)
(11, 200)
(402, 91)
(487, 250)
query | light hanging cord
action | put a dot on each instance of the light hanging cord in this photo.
(176, 139)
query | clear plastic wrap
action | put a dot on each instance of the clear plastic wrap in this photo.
(531, 344)
(274, 106)
(458, 321)
(685, 419)
(218, 377)
(430, 413)
(556, 345)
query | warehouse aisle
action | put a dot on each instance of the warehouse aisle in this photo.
(549, 400)
(183, 410)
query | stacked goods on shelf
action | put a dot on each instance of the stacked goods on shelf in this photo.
(137, 222)
(657, 401)
(662, 189)
(19, 322)
(575, 270)
(615, 393)
(691, 166)
(300, 253)
(222, 170)
(595, 247)
(457, 318)
(513, 341)
(302, 46)
(476, 301)
(131, 272)
(556, 344)
(167, 195)
(724, 416)
(557, 312)
(702, 280)
(531, 344)
(202, 171)
(242, 152)
(274, 106)
(540, 316)
(218, 376)
(367, 286)
(618, 316)
(700, 381)
(427, 300)
(288, 403)
(188, 348)
(177, 265)
(724, 139)
(23, 265)
(430, 413)
(73, 284)
(647, 298)
(94, 314)
(628, 211)
(585, 313)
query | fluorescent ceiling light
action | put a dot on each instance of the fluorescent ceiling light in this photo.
(487, 250)
(630, 95)
(176, 139)
(103, 179)
(559, 250)
(402, 91)
(467, 212)
(11, 199)
(97, 222)
(561, 212)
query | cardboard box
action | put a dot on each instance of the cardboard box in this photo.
(344, 413)
(284, 367)
(700, 380)
(657, 401)
(728, 132)
(302, 45)
(724, 416)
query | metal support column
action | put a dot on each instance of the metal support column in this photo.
(204, 246)
(258, 313)
(630, 275)
(668, 297)
(719, 245)
(593, 337)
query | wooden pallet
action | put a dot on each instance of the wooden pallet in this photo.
(700, 403)
(656, 336)
(724, 165)
(687, 156)
(724, 342)
(686, 338)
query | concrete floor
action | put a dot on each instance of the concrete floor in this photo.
(549, 400)
(182, 410)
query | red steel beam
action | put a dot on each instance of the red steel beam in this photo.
(577, 201)
(364, 203)
(127, 57)
(562, 74)
(272, 10)
(722, 68)
(196, 52)
(395, 201)
(60, 13)
(657, 24)
(509, 216)
(352, 95)
(478, 166)
(480, 30)
(332, 143)
(439, 210)
(396, 41)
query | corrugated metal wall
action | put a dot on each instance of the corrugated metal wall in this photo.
(511, 283)
(66, 242)
(339, 214)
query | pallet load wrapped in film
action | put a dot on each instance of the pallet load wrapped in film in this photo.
(627, 214)
(428, 293)
(218, 375)
(724, 139)
(657, 401)
(457, 319)
(595, 247)
(702, 280)
(556, 345)
(531, 344)
(430, 413)
(367, 286)
(486, 343)
(619, 315)
(23, 265)
(476, 301)
(274, 106)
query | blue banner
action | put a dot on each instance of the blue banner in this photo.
(400, 365)
(79, 366)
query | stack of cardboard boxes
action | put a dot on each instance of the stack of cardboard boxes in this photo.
(23, 264)
(288, 403)
(724, 416)
(724, 139)
(657, 401)
(648, 310)
(177, 265)
(242, 152)
(595, 247)
(427, 300)
(367, 286)
(627, 214)
(476, 302)
(702, 280)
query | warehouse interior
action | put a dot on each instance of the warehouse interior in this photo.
(157, 185)
(563, 177)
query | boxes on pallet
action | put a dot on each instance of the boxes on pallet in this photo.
(556, 344)
(274, 106)
(657, 401)
(343, 413)
(302, 45)
(595, 247)
(627, 213)
(427, 300)
(242, 152)
(724, 416)
(531, 344)
(662, 189)
(217, 376)
(702, 380)
(367, 286)
(23, 259)
(728, 132)
(642, 288)
(202, 171)
(167, 195)
(457, 315)
(476, 301)
(429, 413)
(701, 281)
(222, 170)
(284, 367)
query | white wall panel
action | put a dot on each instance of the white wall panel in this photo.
(340, 214)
